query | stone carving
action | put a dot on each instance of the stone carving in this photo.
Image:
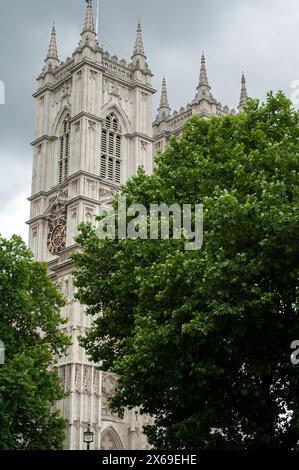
(144, 145)
(96, 382)
(57, 206)
(109, 383)
(106, 411)
(110, 440)
(108, 443)
(93, 74)
(105, 407)
(89, 217)
(78, 378)
(86, 380)
(115, 90)
(107, 194)
(65, 94)
(76, 424)
(91, 125)
(56, 215)
(68, 380)
(77, 126)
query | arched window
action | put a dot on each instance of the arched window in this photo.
(110, 163)
(64, 155)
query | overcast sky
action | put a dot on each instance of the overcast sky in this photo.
(259, 36)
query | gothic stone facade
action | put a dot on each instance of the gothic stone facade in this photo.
(204, 105)
(93, 130)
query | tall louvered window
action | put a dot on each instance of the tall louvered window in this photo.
(64, 153)
(110, 160)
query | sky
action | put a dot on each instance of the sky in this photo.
(260, 37)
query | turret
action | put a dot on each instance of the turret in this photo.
(139, 57)
(164, 108)
(52, 59)
(88, 34)
(244, 94)
(203, 88)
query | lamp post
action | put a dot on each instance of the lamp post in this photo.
(2, 353)
(88, 437)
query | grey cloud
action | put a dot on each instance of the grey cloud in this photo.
(260, 36)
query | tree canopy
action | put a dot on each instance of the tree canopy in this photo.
(30, 330)
(200, 340)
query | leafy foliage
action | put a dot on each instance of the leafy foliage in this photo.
(30, 319)
(201, 340)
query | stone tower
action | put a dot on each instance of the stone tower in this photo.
(204, 104)
(93, 130)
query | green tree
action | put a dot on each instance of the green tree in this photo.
(201, 340)
(29, 327)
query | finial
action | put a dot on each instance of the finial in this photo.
(139, 49)
(203, 87)
(164, 96)
(244, 94)
(203, 78)
(164, 108)
(52, 51)
(88, 22)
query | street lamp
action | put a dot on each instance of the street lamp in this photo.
(2, 353)
(88, 437)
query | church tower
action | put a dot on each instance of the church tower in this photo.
(204, 105)
(93, 130)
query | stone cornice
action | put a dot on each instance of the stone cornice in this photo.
(64, 186)
(67, 68)
(163, 133)
(140, 135)
(86, 114)
(70, 68)
(71, 201)
(35, 196)
(85, 199)
(113, 76)
(129, 82)
(58, 69)
(62, 261)
(90, 175)
(42, 138)
(94, 65)
(34, 219)
(49, 87)
(145, 86)
(114, 60)
(97, 67)
(43, 89)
